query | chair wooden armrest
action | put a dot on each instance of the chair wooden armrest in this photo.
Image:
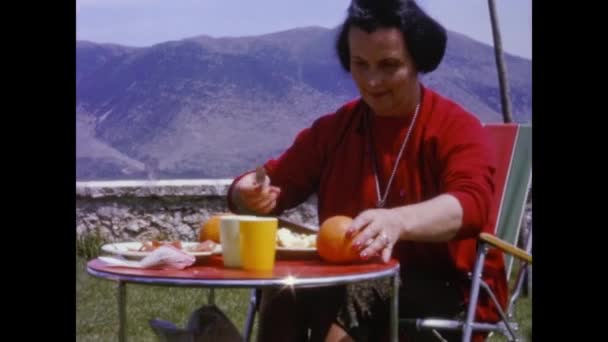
(506, 247)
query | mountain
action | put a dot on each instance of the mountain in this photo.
(206, 107)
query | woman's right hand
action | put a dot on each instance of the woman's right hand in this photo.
(259, 198)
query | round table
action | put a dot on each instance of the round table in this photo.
(211, 273)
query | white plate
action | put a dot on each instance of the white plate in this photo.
(292, 249)
(289, 252)
(130, 249)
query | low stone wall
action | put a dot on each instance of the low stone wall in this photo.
(171, 209)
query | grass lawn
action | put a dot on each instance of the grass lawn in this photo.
(97, 306)
(97, 313)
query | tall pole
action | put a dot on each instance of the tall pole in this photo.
(505, 93)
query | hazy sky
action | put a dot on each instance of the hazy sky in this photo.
(146, 22)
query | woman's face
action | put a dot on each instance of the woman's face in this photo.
(383, 70)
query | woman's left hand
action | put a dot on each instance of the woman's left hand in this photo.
(376, 231)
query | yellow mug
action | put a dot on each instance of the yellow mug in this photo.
(258, 242)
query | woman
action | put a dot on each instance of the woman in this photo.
(412, 167)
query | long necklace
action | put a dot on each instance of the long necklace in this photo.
(382, 199)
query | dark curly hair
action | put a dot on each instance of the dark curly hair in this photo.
(425, 38)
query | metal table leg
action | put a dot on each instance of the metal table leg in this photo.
(251, 311)
(395, 309)
(122, 311)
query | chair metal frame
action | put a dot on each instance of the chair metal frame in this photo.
(516, 177)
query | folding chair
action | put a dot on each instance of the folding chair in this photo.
(513, 178)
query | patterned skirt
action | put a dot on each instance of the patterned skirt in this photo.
(365, 312)
(361, 309)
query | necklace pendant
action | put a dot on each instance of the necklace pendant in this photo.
(381, 202)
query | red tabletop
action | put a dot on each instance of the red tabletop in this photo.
(211, 272)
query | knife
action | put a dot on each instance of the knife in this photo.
(260, 175)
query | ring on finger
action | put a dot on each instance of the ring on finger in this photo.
(385, 239)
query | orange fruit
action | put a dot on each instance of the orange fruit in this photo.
(332, 243)
(210, 229)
